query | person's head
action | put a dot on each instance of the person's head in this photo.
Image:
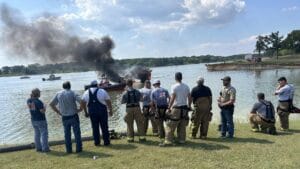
(147, 84)
(66, 85)
(94, 83)
(156, 83)
(260, 96)
(200, 81)
(282, 81)
(129, 82)
(35, 93)
(178, 76)
(226, 80)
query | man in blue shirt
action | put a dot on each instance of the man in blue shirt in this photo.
(38, 120)
(160, 100)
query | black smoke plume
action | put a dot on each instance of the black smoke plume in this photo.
(45, 39)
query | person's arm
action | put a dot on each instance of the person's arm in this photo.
(254, 109)
(109, 106)
(279, 90)
(53, 104)
(43, 108)
(189, 100)
(172, 101)
(83, 107)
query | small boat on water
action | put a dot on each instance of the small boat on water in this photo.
(24, 77)
(51, 78)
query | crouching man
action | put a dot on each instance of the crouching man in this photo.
(263, 115)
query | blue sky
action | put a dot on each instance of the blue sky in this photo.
(166, 28)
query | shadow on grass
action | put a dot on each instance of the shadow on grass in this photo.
(205, 146)
(241, 140)
(122, 146)
(294, 131)
(83, 154)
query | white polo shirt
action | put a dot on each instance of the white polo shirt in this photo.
(102, 95)
(182, 92)
(285, 93)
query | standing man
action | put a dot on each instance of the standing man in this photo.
(147, 111)
(97, 101)
(263, 115)
(177, 113)
(38, 120)
(285, 93)
(159, 100)
(66, 101)
(226, 104)
(202, 99)
(132, 97)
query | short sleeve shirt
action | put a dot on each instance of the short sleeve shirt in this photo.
(182, 92)
(285, 93)
(261, 109)
(66, 101)
(102, 95)
(200, 91)
(160, 96)
(35, 105)
(228, 93)
(145, 92)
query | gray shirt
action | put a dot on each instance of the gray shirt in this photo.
(261, 109)
(66, 100)
(146, 96)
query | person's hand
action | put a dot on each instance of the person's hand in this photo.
(86, 114)
(221, 104)
(168, 110)
(110, 113)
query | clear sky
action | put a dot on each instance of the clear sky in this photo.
(166, 28)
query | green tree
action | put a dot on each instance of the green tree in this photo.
(260, 45)
(274, 42)
(292, 41)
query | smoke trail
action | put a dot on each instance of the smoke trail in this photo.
(45, 39)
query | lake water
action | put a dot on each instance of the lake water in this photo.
(15, 122)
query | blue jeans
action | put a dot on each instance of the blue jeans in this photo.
(227, 122)
(40, 135)
(68, 122)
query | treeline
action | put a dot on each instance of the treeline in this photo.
(276, 45)
(79, 67)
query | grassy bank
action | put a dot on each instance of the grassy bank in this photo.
(247, 150)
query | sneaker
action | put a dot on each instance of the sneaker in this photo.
(255, 129)
(222, 137)
(203, 137)
(283, 129)
(230, 137)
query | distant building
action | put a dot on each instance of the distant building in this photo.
(252, 59)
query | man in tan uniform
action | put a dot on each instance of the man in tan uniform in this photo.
(131, 97)
(202, 99)
(177, 114)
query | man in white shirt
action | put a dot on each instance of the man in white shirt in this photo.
(97, 101)
(177, 113)
(285, 93)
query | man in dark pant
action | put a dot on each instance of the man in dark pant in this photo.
(66, 99)
(97, 100)
(227, 122)
(68, 122)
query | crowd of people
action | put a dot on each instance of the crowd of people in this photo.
(167, 112)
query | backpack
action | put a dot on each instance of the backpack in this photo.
(132, 97)
(269, 111)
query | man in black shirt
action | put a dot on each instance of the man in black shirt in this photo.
(202, 99)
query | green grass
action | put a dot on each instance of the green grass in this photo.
(247, 150)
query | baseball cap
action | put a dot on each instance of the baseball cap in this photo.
(156, 82)
(282, 79)
(226, 78)
(94, 82)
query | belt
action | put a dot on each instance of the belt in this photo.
(69, 117)
(284, 101)
(132, 105)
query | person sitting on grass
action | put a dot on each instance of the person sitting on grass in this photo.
(38, 120)
(263, 115)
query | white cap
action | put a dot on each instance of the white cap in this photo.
(156, 82)
(94, 82)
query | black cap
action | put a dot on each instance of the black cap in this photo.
(282, 79)
(226, 78)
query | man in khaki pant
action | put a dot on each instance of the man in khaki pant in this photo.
(131, 97)
(202, 99)
(285, 93)
(262, 115)
(177, 117)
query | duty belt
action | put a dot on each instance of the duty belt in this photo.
(132, 105)
(183, 114)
